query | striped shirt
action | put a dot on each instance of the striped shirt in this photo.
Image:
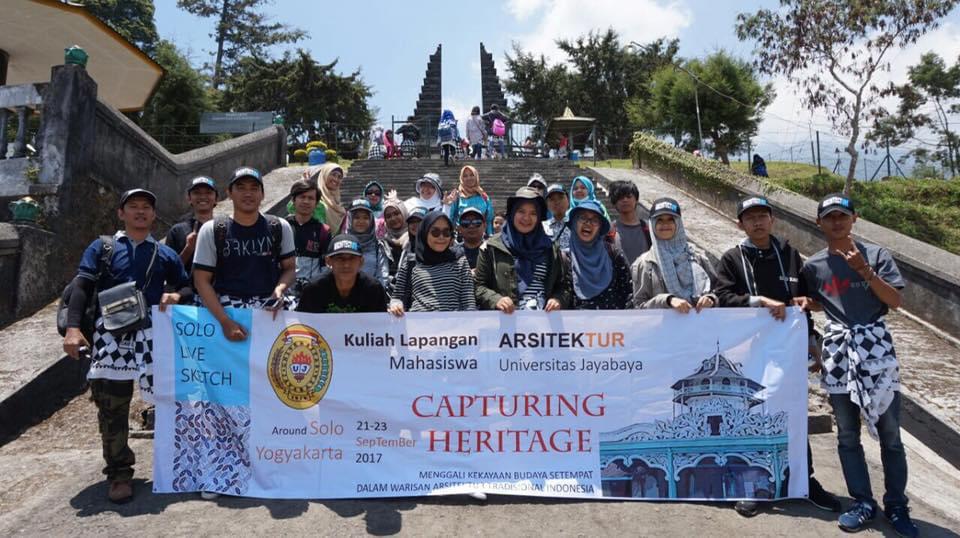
(534, 297)
(445, 287)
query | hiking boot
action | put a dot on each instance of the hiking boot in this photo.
(857, 517)
(121, 491)
(747, 508)
(478, 495)
(899, 517)
(822, 498)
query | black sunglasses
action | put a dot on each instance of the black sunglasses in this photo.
(471, 223)
(437, 232)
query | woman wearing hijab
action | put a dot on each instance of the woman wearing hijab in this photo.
(429, 193)
(521, 268)
(373, 193)
(437, 280)
(599, 270)
(448, 137)
(392, 229)
(328, 177)
(376, 256)
(470, 194)
(671, 274)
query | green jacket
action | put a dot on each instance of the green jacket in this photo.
(496, 277)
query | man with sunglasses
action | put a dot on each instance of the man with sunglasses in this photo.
(471, 228)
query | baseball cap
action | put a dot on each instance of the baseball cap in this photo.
(472, 210)
(361, 204)
(556, 187)
(664, 206)
(753, 201)
(835, 202)
(203, 181)
(138, 192)
(344, 244)
(418, 212)
(246, 171)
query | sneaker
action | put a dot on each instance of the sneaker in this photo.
(822, 498)
(478, 495)
(121, 491)
(747, 508)
(856, 518)
(899, 517)
(209, 495)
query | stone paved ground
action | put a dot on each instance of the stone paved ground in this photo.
(50, 485)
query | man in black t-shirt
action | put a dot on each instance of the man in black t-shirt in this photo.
(310, 236)
(344, 288)
(182, 237)
(472, 226)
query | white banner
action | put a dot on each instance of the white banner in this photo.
(641, 404)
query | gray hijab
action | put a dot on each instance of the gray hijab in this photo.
(677, 262)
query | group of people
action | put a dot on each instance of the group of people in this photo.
(556, 248)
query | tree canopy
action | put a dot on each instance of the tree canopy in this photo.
(179, 100)
(242, 30)
(731, 99)
(603, 75)
(309, 95)
(832, 50)
(133, 19)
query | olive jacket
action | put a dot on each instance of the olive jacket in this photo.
(496, 277)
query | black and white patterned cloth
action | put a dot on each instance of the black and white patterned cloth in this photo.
(408, 148)
(861, 361)
(127, 358)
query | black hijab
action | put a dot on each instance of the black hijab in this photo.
(425, 254)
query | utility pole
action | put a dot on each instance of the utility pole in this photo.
(819, 171)
(696, 100)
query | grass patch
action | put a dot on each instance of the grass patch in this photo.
(608, 163)
(924, 209)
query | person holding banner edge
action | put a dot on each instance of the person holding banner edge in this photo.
(764, 272)
(119, 359)
(599, 271)
(856, 283)
(520, 267)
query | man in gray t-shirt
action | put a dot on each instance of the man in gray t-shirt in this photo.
(856, 283)
(633, 232)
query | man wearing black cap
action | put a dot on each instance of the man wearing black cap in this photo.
(763, 271)
(182, 237)
(246, 260)
(556, 226)
(856, 283)
(344, 288)
(472, 226)
(130, 255)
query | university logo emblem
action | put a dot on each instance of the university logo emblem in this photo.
(300, 366)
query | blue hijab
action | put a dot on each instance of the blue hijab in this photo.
(447, 116)
(528, 249)
(591, 196)
(591, 264)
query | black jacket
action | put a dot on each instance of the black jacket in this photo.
(737, 264)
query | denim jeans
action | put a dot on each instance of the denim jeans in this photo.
(477, 151)
(854, 463)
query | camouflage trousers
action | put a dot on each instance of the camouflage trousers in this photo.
(113, 407)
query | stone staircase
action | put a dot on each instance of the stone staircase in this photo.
(500, 179)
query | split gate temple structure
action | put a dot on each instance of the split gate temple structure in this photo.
(429, 104)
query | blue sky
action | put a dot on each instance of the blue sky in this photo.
(390, 42)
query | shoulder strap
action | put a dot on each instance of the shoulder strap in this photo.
(276, 233)
(220, 232)
(106, 255)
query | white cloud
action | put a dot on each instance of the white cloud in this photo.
(637, 20)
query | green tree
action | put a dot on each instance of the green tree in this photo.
(241, 30)
(309, 95)
(541, 90)
(731, 103)
(178, 102)
(833, 50)
(598, 79)
(133, 19)
(927, 102)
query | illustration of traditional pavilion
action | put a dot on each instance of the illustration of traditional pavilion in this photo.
(719, 444)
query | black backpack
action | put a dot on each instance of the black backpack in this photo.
(90, 311)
